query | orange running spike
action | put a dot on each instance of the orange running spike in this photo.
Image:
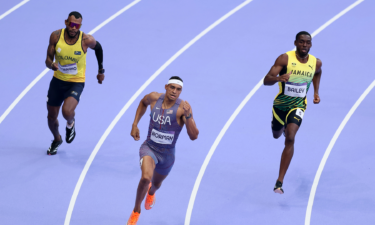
(150, 199)
(133, 218)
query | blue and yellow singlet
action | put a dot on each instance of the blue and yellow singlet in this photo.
(71, 60)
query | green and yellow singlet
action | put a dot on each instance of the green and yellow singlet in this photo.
(71, 60)
(292, 94)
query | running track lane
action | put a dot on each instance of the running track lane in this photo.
(114, 189)
(349, 190)
(85, 105)
(25, 163)
(46, 70)
(349, 147)
(242, 159)
(131, 191)
(14, 8)
(99, 99)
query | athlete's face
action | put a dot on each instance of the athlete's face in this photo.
(173, 91)
(72, 31)
(303, 44)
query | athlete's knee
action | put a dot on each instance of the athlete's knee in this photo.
(289, 140)
(52, 117)
(53, 112)
(145, 179)
(157, 185)
(67, 112)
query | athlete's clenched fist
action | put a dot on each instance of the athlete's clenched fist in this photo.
(54, 67)
(187, 109)
(135, 133)
(100, 78)
(284, 77)
(316, 99)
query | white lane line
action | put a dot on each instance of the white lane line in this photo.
(23, 93)
(45, 71)
(14, 8)
(208, 157)
(337, 16)
(80, 180)
(113, 16)
(135, 96)
(234, 115)
(338, 131)
(328, 151)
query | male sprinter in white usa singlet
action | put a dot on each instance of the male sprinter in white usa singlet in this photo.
(168, 115)
(69, 47)
(296, 70)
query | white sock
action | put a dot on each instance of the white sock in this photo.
(70, 126)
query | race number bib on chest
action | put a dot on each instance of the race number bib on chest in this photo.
(68, 69)
(161, 137)
(295, 90)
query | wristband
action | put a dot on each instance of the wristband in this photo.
(188, 117)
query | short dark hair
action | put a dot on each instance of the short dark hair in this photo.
(302, 33)
(176, 78)
(76, 14)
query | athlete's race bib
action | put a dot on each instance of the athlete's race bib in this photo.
(161, 137)
(295, 90)
(69, 68)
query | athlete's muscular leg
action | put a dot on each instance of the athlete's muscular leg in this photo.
(157, 179)
(53, 123)
(277, 133)
(68, 108)
(148, 166)
(286, 157)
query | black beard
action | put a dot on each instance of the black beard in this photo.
(72, 37)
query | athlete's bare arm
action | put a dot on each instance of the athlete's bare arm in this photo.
(271, 78)
(316, 80)
(88, 41)
(149, 99)
(54, 38)
(185, 111)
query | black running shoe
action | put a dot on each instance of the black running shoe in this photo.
(278, 188)
(54, 146)
(70, 133)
